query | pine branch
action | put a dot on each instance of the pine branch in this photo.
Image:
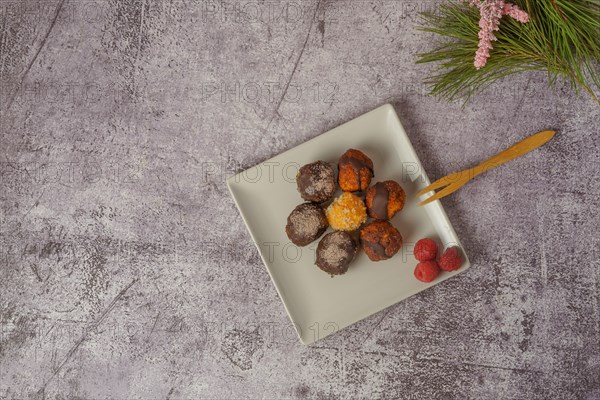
(562, 38)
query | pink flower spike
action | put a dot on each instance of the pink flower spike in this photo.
(515, 12)
(491, 11)
(481, 57)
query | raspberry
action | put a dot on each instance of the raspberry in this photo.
(451, 259)
(427, 271)
(425, 250)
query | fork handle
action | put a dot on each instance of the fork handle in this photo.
(516, 150)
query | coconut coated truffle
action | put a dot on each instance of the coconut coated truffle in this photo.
(347, 212)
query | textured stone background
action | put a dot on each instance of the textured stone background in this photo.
(122, 252)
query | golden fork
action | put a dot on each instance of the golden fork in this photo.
(455, 181)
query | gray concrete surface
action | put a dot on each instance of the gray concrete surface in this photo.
(122, 252)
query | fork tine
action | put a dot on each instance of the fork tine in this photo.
(435, 185)
(443, 193)
(443, 181)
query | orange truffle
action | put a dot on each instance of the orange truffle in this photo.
(385, 199)
(347, 212)
(380, 240)
(355, 171)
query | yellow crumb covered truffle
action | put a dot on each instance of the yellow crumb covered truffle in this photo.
(347, 212)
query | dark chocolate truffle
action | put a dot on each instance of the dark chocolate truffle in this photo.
(305, 224)
(380, 240)
(335, 252)
(385, 199)
(355, 171)
(316, 182)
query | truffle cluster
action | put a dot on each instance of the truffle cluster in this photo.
(347, 213)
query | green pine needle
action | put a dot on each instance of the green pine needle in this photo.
(562, 38)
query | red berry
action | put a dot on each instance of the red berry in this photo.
(425, 250)
(451, 259)
(427, 271)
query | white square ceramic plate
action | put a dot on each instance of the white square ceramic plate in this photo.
(318, 304)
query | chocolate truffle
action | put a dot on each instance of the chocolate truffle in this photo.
(335, 252)
(380, 240)
(316, 181)
(385, 199)
(305, 224)
(347, 212)
(355, 171)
